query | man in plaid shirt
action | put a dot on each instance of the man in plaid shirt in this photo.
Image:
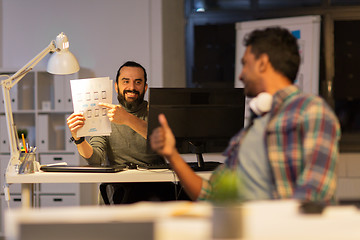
(290, 149)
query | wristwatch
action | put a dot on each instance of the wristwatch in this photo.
(80, 140)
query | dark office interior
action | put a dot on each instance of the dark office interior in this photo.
(210, 46)
(210, 58)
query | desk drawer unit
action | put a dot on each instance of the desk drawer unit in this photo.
(58, 200)
(59, 188)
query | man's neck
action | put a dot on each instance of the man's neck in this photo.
(276, 82)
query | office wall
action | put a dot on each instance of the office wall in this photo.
(173, 44)
(103, 34)
(1, 52)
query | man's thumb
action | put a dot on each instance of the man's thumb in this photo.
(163, 122)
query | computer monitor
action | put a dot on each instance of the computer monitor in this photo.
(203, 120)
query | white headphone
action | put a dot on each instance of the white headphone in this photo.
(261, 103)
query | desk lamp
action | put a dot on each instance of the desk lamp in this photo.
(61, 62)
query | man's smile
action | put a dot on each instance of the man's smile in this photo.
(131, 94)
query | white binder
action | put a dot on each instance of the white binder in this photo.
(4, 137)
(67, 94)
(59, 92)
(43, 132)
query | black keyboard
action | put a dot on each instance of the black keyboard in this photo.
(208, 166)
(156, 166)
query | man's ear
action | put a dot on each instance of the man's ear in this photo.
(146, 87)
(263, 62)
(116, 88)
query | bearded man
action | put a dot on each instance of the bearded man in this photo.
(127, 141)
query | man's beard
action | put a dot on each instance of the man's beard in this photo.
(131, 106)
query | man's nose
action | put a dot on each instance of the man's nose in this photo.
(132, 85)
(241, 77)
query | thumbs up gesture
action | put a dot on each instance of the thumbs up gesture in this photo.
(162, 139)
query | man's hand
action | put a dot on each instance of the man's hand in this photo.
(116, 113)
(75, 121)
(162, 139)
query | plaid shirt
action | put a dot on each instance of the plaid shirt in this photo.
(302, 144)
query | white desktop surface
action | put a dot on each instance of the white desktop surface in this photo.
(27, 180)
(262, 220)
(132, 175)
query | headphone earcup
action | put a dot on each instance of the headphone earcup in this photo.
(261, 103)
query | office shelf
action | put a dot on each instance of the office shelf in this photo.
(41, 102)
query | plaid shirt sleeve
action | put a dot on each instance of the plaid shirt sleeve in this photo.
(303, 150)
(321, 130)
(207, 185)
(205, 190)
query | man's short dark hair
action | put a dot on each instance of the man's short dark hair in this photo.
(281, 47)
(131, 64)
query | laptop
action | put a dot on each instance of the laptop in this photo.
(89, 169)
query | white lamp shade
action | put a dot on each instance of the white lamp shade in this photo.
(62, 63)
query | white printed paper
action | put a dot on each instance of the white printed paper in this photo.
(86, 95)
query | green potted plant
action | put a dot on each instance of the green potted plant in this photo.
(20, 132)
(227, 197)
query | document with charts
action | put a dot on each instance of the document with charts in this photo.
(86, 95)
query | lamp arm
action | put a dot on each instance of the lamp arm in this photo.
(7, 84)
(16, 77)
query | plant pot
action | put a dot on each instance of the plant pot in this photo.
(227, 222)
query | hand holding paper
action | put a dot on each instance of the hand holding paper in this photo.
(89, 118)
(75, 121)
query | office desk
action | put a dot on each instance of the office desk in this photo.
(261, 220)
(175, 220)
(26, 180)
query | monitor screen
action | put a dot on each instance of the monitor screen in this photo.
(202, 120)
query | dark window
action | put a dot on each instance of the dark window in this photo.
(214, 56)
(211, 5)
(345, 2)
(287, 3)
(347, 80)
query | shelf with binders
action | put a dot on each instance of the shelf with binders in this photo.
(53, 133)
(25, 123)
(40, 103)
(54, 94)
(22, 95)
